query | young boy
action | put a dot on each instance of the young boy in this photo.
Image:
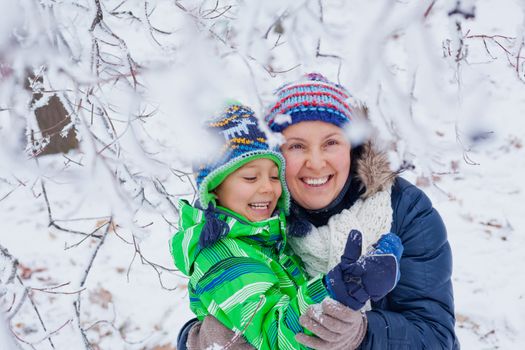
(248, 279)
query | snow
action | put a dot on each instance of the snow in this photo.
(433, 93)
(318, 311)
(215, 346)
(283, 119)
(120, 293)
(5, 337)
(485, 221)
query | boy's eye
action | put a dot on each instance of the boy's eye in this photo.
(249, 178)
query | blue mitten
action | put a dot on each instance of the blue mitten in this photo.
(343, 282)
(381, 266)
(356, 279)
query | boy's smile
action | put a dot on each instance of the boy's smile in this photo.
(252, 190)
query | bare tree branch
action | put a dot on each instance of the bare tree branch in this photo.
(83, 279)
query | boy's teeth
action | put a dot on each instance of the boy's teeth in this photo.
(316, 181)
(259, 205)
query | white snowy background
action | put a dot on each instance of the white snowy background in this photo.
(84, 261)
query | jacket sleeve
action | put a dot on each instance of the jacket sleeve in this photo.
(419, 312)
(245, 295)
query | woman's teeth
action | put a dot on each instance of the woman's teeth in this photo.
(316, 181)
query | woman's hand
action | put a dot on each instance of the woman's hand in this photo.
(336, 327)
(210, 333)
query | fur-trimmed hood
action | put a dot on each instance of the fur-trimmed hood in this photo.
(373, 167)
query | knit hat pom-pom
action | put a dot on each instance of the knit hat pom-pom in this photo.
(214, 229)
(317, 77)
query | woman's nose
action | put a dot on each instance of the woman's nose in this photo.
(315, 160)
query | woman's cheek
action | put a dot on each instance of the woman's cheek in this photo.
(292, 166)
(288, 173)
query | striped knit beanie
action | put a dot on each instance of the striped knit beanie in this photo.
(312, 98)
(241, 142)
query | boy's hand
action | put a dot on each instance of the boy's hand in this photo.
(356, 279)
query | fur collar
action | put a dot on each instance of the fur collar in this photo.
(373, 167)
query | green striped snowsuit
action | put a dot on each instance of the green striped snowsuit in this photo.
(248, 280)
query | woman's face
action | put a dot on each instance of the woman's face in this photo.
(317, 162)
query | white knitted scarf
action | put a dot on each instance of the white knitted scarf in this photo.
(321, 249)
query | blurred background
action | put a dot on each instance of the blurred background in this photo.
(101, 103)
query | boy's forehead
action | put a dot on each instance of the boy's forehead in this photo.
(258, 162)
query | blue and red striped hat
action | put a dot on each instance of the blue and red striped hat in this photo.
(312, 98)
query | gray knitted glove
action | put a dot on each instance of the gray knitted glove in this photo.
(210, 333)
(336, 326)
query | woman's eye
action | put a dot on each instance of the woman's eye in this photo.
(295, 146)
(332, 142)
(275, 178)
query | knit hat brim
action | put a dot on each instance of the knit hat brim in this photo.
(311, 114)
(218, 175)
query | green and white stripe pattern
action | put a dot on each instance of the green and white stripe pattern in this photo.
(248, 280)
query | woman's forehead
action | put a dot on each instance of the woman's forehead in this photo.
(312, 130)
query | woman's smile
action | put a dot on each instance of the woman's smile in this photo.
(317, 181)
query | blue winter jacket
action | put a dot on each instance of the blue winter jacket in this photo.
(419, 312)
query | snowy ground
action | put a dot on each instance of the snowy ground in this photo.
(123, 304)
(485, 222)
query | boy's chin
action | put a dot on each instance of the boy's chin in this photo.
(255, 215)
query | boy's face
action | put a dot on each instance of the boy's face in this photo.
(252, 190)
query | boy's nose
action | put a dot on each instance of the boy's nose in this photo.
(266, 186)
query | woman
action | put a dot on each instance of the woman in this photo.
(337, 188)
